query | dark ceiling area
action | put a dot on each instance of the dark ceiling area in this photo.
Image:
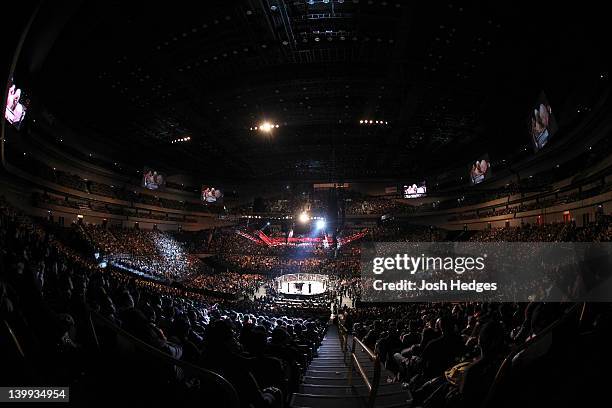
(447, 81)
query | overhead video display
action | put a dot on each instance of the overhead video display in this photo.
(542, 123)
(211, 195)
(480, 170)
(152, 179)
(16, 106)
(415, 190)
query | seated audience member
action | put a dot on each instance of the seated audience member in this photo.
(222, 354)
(441, 353)
(479, 375)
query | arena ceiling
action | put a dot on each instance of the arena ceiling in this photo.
(449, 80)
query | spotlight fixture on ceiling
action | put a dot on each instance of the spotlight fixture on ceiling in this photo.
(265, 127)
(373, 122)
(181, 140)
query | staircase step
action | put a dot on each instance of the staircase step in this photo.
(330, 373)
(340, 356)
(331, 363)
(327, 389)
(324, 401)
(298, 400)
(317, 363)
(329, 380)
(350, 389)
(325, 384)
(338, 366)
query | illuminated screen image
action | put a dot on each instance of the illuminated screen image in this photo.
(211, 195)
(152, 179)
(16, 106)
(480, 170)
(542, 124)
(415, 190)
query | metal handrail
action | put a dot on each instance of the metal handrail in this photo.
(372, 384)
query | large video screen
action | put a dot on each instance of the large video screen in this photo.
(480, 170)
(542, 123)
(415, 190)
(152, 179)
(211, 195)
(16, 106)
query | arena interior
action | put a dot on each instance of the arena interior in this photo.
(190, 192)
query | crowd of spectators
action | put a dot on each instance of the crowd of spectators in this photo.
(160, 255)
(378, 205)
(449, 354)
(555, 232)
(48, 292)
(244, 285)
(262, 344)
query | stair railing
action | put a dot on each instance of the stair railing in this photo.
(371, 384)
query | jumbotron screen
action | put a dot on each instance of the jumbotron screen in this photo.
(211, 195)
(16, 106)
(542, 123)
(152, 179)
(415, 190)
(480, 170)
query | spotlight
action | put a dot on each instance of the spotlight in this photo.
(320, 224)
(303, 217)
(267, 127)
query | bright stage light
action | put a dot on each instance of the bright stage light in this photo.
(304, 218)
(266, 127)
(320, 224)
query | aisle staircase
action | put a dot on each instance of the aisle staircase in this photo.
(347, 379)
